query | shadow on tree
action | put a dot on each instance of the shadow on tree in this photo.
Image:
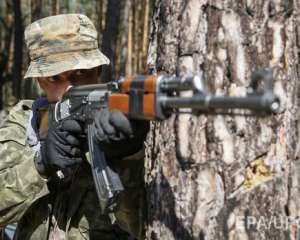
(161, 208)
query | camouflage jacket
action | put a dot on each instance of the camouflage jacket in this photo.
(45, 210)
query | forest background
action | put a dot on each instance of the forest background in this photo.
(123, 28)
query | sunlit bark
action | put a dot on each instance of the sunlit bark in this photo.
(208, 176)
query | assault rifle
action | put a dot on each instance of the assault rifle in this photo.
(154, 98)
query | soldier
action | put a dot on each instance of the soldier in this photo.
(64, 52)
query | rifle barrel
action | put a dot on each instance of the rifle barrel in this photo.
(263, 103)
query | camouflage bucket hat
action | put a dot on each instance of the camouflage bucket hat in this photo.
(61, 43)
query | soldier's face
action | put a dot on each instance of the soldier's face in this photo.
(56, 86)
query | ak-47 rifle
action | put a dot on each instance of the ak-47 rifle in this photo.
(154, 98)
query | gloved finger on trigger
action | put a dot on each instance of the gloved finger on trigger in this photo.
(121, 122)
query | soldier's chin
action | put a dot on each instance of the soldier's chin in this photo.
(54, 99)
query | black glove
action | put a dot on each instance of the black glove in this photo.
(117, 135)
(62, 147)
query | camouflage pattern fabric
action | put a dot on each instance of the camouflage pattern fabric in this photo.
(48, 210)
(17, 194)
(61, 43)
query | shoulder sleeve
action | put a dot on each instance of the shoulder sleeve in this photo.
(20, 183)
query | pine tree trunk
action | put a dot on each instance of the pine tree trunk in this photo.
(54, 7)
(122, 50)
(6, 37)
(99, 14)
(129, 66)
(145, 34)
(226, 177)
(110, 36)
(36, 10)
(18, 49)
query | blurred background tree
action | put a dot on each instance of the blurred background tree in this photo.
(123, 28)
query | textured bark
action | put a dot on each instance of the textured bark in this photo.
(208, 176)
(129, 68)
(145, 42)
(122, 49)
(36, 10)
(99, 14)
(18, 49)
(137, 37)
(54, 7)
(110, 34)
(6, 37)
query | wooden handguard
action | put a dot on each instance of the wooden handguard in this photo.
(136, 98)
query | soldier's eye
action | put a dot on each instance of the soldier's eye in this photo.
(53, 79)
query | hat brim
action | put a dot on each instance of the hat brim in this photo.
(55, 64)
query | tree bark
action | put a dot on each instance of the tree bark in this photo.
(129, 57)
(18, 49)
(54, 7)
(226, 177)
(145, 41)
(36, 10)
(109, 38)
(6, 23)
(99, 14)
(122, 49)
(137, 40)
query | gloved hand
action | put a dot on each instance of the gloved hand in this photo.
(61, 148)
(118, 136)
